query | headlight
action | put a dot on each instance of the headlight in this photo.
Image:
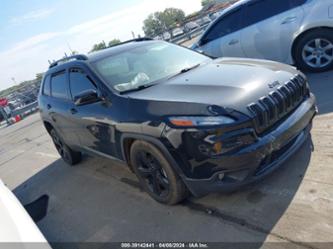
(184, 121)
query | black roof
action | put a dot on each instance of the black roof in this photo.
(118, 48)
(68, 58)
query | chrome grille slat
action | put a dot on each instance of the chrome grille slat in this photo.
(292, 90)
(280, 103)
(284, 90)
(271, 108)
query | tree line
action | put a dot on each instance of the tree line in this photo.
(157, 23)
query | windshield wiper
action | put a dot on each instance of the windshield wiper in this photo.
(137, 88)
(184, 70)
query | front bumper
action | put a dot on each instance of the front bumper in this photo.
(261, 158)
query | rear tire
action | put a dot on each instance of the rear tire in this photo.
(314, 51)
(70, 156)
(155, 173)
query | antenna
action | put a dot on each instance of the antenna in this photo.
(69, 47)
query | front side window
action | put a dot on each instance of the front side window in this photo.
(226, 25)
(59, 85)
(146, 64)
(263, 9)
(79, 82)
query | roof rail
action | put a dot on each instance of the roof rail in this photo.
(69, 58)
(134, 40)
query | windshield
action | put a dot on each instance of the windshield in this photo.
(146, 65)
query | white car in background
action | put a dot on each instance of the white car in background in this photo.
(177, 32)
(16, 226)
(290, 31)
(203, 21)
(166, 36)
(190, 26)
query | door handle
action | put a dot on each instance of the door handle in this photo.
(233, 42)
(289, 19)
(48, 106)
(73, 110)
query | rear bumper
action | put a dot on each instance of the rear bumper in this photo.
(262, 157)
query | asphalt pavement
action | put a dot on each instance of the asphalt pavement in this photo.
(101, 201)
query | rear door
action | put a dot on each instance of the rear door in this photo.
(58, 105)
(270, 28)
(223, 37)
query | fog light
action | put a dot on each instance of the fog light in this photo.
(220, 176)
(218, 147)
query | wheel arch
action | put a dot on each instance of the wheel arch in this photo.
(48, 126)
(302, 34)
(127, 140)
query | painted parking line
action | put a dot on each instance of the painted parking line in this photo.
(47, 155)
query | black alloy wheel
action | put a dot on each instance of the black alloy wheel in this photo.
(70, 156)
(155, 173)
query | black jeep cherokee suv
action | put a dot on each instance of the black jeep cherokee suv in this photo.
(182, 121)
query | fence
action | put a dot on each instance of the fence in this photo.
(189, 35)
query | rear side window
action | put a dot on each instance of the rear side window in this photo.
(264, 9)
(47, 86)
(59, 86)
(226, 25)
(79, 82)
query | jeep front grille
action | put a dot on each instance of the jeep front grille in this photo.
(278, 104)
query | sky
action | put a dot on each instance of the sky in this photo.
(35, 31)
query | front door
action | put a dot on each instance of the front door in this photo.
(94, 127)
(223, 37)
(270, 27)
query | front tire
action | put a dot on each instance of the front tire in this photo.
(70, 156)
(314, 51)
(155, 173)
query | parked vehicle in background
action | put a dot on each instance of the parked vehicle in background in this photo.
(215, 15)
(181, 120)
(291, 31)
(177, 32)
(203, 21)
(14, 104)
(166, 36)
(158, 37)
(190, 26)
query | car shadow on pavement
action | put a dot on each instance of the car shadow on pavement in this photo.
(92, 202)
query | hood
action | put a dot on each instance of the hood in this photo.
(228, 82)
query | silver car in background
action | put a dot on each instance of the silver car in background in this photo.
(296, 32)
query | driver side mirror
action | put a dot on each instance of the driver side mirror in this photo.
(87, 97)
(204, 41)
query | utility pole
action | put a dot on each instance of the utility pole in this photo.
(13, 79)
